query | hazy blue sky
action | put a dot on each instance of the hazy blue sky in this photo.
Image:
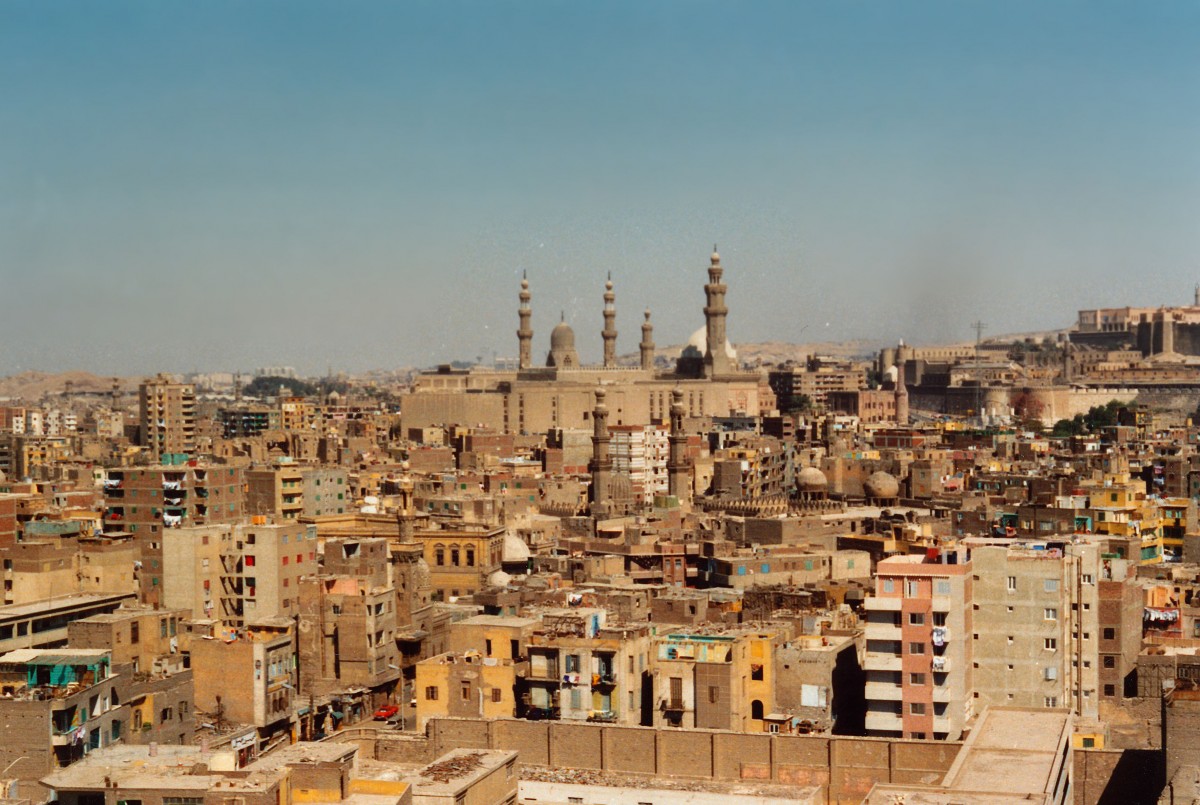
(192, 186)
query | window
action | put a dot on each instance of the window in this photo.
(912, 588)
(1087, 578)
(889, 585)
(916, 648)
(916, 708)
(134, 629)
(714, 694)
(496, 694)
(1012, 584)
(1110, 690)
(916, 619)
(431, 693)
(249, 560)
(916, 679)
(1050, 673)
(1050, 614)
(943, 587)
(1109, 633)
(1089, 743)
(1110, 662)
(466, 691)
(1052, 701)
(756, 672)
(1050, 644)
(1050, 585)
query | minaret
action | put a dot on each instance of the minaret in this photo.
(1197, 297)
(647, 344)
(678, 472)
(601, 464)
(901, 401)
(716, 361)
(524, 332)
(609, 333)
(404, 505)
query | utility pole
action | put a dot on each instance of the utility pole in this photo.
(978, 328)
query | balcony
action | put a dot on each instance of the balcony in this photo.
(942, 603)
(941, 665)
(883, 692)
(884, 722)
(877, 604)
(941, 694)
(882, 631)
(876, 661)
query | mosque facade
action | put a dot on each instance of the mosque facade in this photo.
(561, 393)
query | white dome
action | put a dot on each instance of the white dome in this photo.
(499, 578)
(515, 549)
(697, 345)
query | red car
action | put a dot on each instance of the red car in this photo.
(386, 712)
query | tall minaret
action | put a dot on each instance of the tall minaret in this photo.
(901, 401)
(678, 472)
(716, 361)
(647, 344)
(601, 464)
(525, 332)
(609, 333)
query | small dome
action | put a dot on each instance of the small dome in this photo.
(515, 549)
(716, 258)
(499, 579)
(882, 485)
(811, 479)
(562, 336)
(697, 345)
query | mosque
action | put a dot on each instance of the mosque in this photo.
(561, 393)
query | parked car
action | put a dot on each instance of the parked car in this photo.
(386, 712)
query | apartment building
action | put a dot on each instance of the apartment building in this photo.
(57, 706)
(291, 491)
(641, 452)
(248, 676)
(149, 501)
(1036, 631)
(466, 685)
(460, 560)
(722, 681)
(347, 635)
(582, 669)
(167, 417)
(261, 569)
(920, 682)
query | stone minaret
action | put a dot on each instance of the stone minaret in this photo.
(678, 472)
(901, 401)
(404, 505)
(647, 344)
(525, 331)
(609, 333)
(716, 361)
(601, 464)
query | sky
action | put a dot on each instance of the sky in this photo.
(360, 185)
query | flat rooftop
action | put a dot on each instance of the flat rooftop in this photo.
(1013, 755)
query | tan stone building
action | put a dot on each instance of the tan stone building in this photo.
(291, 491)
(347, 635)
(167, 417)
(723, 680)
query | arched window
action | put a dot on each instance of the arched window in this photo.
(756, 709)
(454, 557)
(470, 556)
(439, 554)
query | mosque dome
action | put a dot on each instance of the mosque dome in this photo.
(811, 479)
(499, 579)
(562, 336)
(515, 549)
(697, 346)
(882, 485)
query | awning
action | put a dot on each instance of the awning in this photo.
(338, 714)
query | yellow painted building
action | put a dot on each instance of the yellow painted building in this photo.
(465, 685)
